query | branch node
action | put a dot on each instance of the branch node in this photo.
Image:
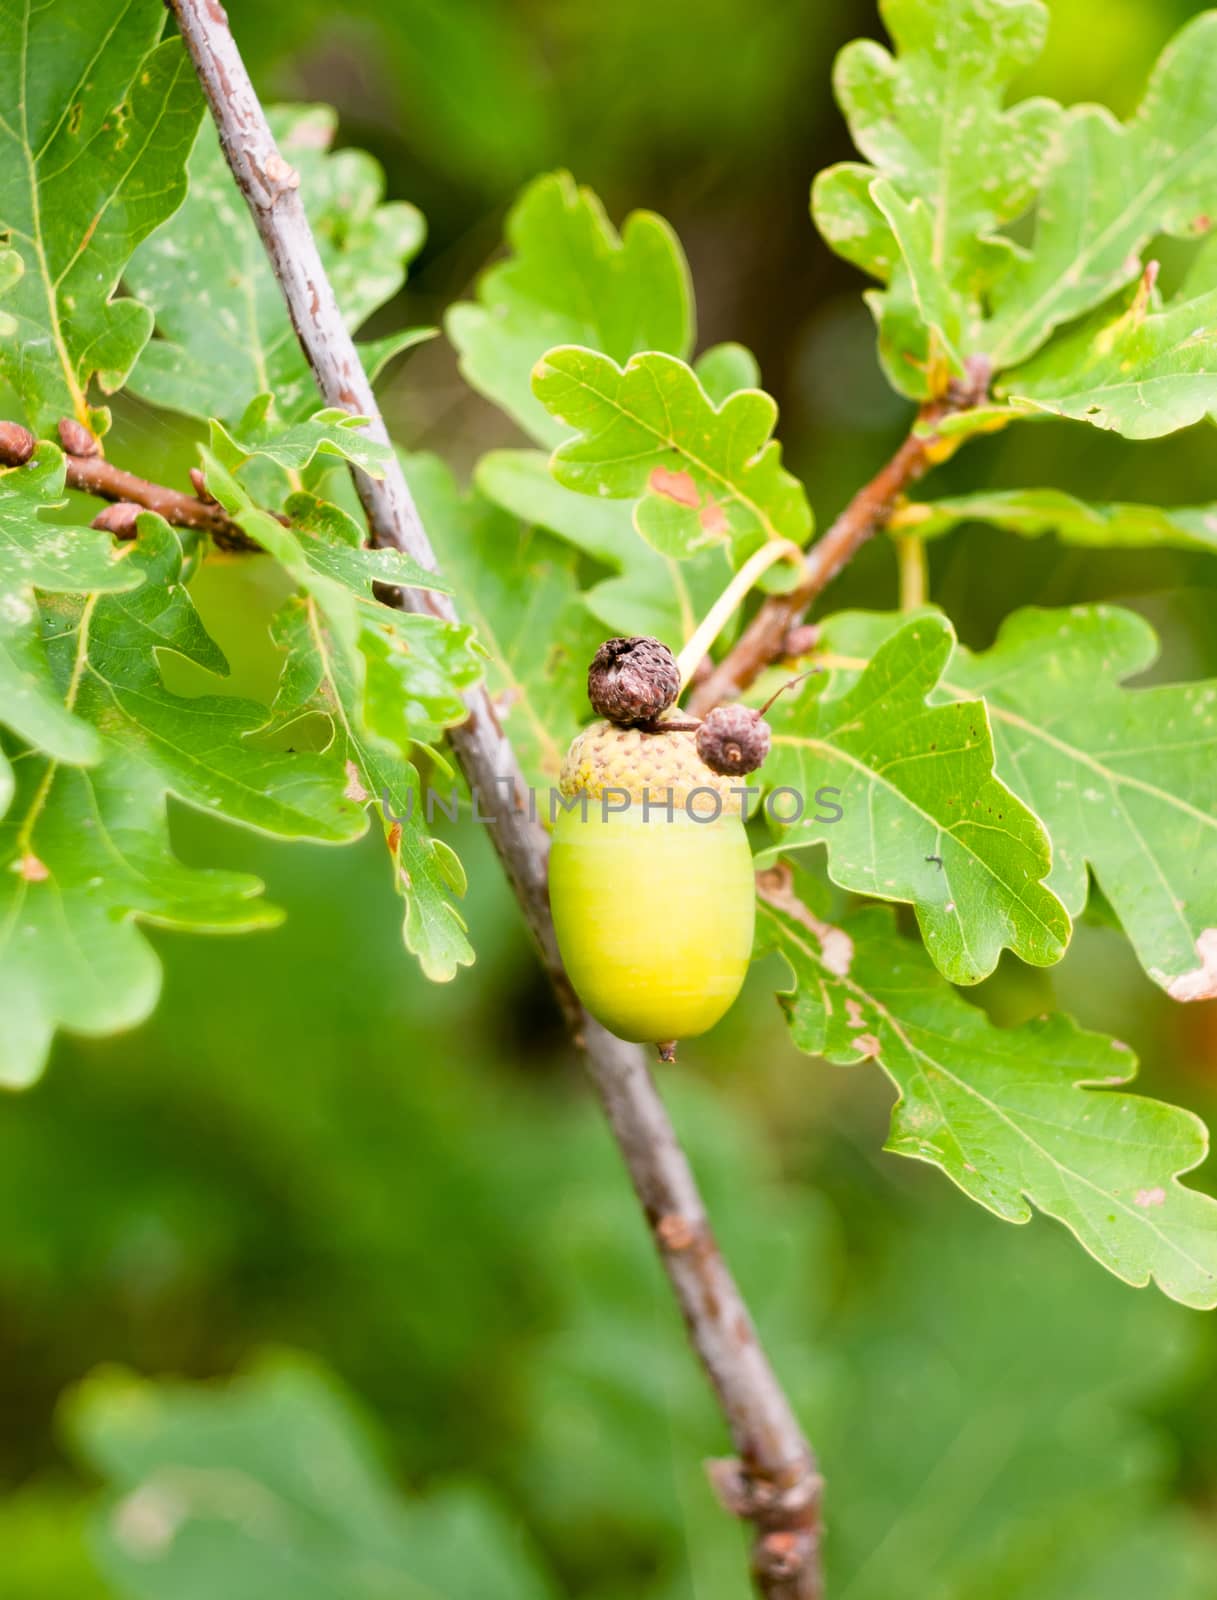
(76, 439)
(783, 1555)
(272, 178)
(756, 1498)
(676, 1233)
(17, 444)
(199, 483)
(118, 519)
(800, 640)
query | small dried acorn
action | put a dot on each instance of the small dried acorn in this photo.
(733, 740)
(632, 681)
(650, 873)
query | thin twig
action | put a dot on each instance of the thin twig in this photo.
(776, 1483)
(94, 475)
(764, 640)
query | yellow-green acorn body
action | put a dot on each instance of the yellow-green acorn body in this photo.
(651, 882)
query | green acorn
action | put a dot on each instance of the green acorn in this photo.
(650, 876)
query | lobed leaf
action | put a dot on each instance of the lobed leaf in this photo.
(1017, 1117)
(224, 332)
(11, 268)
(951, 168)
(519, 589)
(570, 280)
(1032, 512)
(272, 1484)
(97, 121)
(1146, 373)
(37, 555)
(1112, 188)
(990, 1384)
(87, 848)
(923, 816)
(649, 593)
(1121, 779)
(956, 166)
(701, 475)
(386, 680)
(294, 446)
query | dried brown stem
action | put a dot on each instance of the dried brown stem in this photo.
(776, 1467)
(94, 475)
(773, 632)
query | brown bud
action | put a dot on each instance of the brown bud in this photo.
(77, 439)
(118, 519)
(200, 487)
(733, 740)
(17, 444)
(630, 681)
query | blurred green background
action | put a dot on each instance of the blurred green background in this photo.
(308, 1149)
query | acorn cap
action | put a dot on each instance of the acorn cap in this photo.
(733, 740)
(632, 680)
(606, 757)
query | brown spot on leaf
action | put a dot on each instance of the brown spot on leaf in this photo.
(393, 838)
(868, 1044)
(354, 789)
(1201, 982)
(1150, 1197)
(33, 870)
(853, 1011)
(677, 486)
(776, 886)
(713, 519)
(1202, 223)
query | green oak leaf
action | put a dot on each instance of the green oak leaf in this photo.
(519, 589)
(294, 446)
(331, 543)
(41, 556)
(949, 166)
(418, 666)
(989, 1384)
(924, 818)
(649, 593)
(325, 671)
(231, 337)
(386, 681)
(272, 1484)
(1121, 778)
(87, 848)
(1017, 1117)
(97, 121)
(1032, 512)
(724, 369)
(520, 481)
(701, 475)
(1111, 188)
(11, 268)
(1150, 371)
(570, 280)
